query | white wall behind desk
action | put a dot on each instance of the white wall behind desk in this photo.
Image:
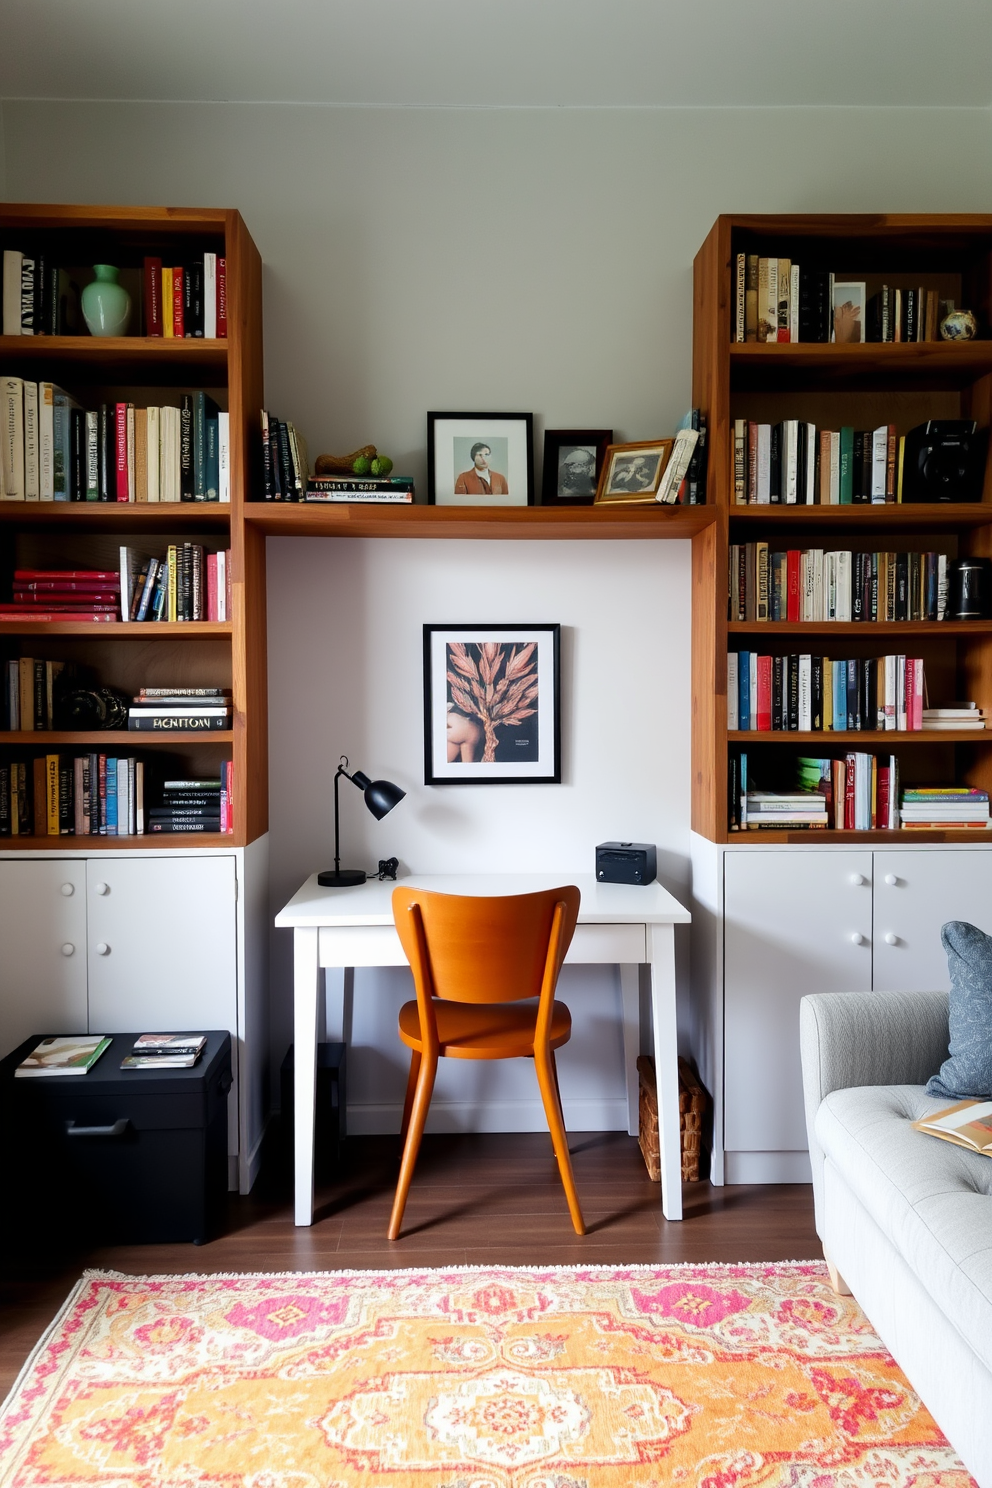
(346, 676)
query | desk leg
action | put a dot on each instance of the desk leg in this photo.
(306, 978)
(661, 951)
(630, 1003)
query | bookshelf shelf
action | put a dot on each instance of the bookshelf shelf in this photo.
(154, 841)
(831, 385)
(534, 522)
(63, 535)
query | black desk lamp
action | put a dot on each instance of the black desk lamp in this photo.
(380, 797)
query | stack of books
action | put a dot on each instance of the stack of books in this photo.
(784, 811)
(31, 693)
(195, 805)
(64, 594)
(954, 716)
(957, 806)
(285, 463)
(180, 709)
(347, 488)
(165, 1051)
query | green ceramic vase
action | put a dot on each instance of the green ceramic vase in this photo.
(106, 304)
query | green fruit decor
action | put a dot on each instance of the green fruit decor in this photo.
(361, 465)
(381, 465)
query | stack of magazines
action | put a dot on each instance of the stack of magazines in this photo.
(165, 1051)
(944, 806)
(785, 811)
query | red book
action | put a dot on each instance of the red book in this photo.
(228, 591)
(211, 586)
(884, 796)
(230, 797)
(764, 702)
(177, 303)
(221, 296)
(120, 412)
(793, 567)
(153, 297)
(113, 579)
(102, 792)
(88, 600)
(914, 692)
(12, 612)
(66, 586)
(849, 791)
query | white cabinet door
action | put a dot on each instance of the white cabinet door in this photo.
(797, 921)
(42, 949)
(162, 944)
(915, 893)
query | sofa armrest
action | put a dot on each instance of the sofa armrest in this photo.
(866, 1038)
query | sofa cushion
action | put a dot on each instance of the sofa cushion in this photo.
(968, 1070)
(932, 1199)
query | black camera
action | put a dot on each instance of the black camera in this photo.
(91, 708)
(944, 460)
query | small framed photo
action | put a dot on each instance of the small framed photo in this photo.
(632, 472)
(573, 459)
(480, 459)
(848, 322)
(492, 705)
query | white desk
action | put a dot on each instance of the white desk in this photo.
(625, 925)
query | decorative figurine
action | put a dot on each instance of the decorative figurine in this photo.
(958, 325)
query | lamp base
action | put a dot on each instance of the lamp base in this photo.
(344, 878)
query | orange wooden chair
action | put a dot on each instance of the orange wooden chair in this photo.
(474, 961)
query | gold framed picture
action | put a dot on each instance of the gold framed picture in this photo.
(631, 473)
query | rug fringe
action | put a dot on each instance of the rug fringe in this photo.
(96, 1274)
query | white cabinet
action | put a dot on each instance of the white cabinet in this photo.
(916, 893)
(796, 922)
(771, 924)
(42, 949)
(122, 942)
(162, 941)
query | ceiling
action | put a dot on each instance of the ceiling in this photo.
(502, 53)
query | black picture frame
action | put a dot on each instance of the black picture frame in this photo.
(562, 445)
(526, 747)
(452, 441)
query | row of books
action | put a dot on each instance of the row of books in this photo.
(285, 462)
(180, 709)
(793, 463)
(31, 694)
(802, 693)
(817, 584)
(184, 582)
(63, 594)
(778, 300)
(101, 795)
(76, 1054)
(53, 449)
(42, 298)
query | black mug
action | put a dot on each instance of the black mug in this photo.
(969, 588)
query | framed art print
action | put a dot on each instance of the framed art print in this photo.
(492, 705)
(632, 473)
(480, 459)
(573, 459)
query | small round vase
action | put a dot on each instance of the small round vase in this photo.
(959, 325)
(106, 304)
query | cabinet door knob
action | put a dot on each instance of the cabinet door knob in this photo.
(891, 880)
(857, 879)
(891, 939)
(68, 949)
(103, 949)
(67, 890)
(856, 939)
(101, 888)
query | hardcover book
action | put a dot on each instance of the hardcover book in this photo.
(71, 1055)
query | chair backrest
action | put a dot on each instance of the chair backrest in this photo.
(480, 949)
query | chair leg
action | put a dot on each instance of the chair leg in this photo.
(411, 1090)
(547, 1079)
(415, 1130)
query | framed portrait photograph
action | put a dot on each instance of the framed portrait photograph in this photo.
(480, 459)
(573, 459)
(632, 473)
(492, 705)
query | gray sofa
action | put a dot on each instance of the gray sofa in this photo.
(905, 1219)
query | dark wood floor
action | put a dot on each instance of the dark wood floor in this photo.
(476, 1200)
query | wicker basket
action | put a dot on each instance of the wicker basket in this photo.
(693, 1103)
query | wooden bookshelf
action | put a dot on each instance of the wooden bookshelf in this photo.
(827, 384)
(125, 655)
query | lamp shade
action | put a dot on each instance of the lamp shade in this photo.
(380, 795)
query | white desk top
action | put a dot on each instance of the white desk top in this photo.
(369, 903)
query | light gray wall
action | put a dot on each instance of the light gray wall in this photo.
(483, 259)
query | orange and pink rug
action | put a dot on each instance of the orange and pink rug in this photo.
(606, 1377)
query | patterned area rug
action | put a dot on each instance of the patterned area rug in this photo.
(702, 1376)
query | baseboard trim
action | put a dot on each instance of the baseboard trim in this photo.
(493, 1116)
(767, 1167)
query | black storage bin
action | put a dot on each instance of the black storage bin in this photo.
(118, 1156)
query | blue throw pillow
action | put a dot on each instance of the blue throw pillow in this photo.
(968, 1070)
